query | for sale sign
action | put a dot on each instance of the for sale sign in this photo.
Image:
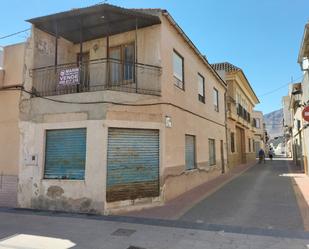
(69, 77)
(306, 113)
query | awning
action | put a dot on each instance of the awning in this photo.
(95, 22)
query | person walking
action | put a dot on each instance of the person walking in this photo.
(271, 153)
(261, 156)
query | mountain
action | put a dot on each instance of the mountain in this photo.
(273, 121)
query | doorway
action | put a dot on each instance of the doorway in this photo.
(240, 136)
(84, 76)
(222, 157)
(122, 66)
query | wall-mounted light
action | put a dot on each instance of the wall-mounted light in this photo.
(95, 47)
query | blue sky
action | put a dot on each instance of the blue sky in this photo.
(260, 36)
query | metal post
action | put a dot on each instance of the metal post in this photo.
(56, 44)
(135, 64)
(107, 63)
(80, 59)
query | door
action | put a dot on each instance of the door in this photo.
(132, 164)
(128, 63)
(65, 154)
(115, 66)
(222, 157)
(122, 65)
(190, 152)
(84, 74)
(257, 147)
(240, 144)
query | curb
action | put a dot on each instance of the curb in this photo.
(302, 203)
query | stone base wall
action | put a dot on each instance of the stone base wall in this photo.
(250, 157)
(187, 180)
(234, 159)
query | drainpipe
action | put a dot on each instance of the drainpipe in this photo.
(56, 46)
(136, 60)
(226, 133)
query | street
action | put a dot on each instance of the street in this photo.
(261, 197)
(258, 209)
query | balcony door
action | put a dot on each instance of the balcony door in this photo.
(122, 64)
(115, 66)
(84, 75)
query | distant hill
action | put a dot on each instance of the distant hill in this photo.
(273, 121)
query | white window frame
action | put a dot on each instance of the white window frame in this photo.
(216, 99)
(212, 158)
(201, 92)
(179, 76)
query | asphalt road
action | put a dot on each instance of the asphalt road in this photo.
(261, 197)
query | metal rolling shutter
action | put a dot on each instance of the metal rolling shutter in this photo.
(132, 164)
(65, 154)
(190, 152)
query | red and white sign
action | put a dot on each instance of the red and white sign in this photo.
(69, 77)
(306, 113)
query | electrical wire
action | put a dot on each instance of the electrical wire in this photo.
(279, 88)
(21, 88)
(16, 33)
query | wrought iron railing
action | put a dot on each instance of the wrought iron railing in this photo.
(97, 75)
(242, 112)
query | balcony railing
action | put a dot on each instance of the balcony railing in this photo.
(242, 112)
(97, 75)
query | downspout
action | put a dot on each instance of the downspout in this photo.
(226, 131)
(135, 55)
(56, 46)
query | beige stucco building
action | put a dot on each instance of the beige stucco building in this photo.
(299, 96)
(125, 112)
(297, 127)
(241, 100)
(11, 78)
(260, 133)
(287, 125)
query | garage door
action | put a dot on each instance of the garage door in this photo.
(65, 154)
(132, 164)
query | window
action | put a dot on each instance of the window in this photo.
(201, 88)
(212, 152)
(190, 152)
(249, 143)
(258, 124)
(216, 100)
(65, 154)
(122, 64)
(178, 66)
(232, 142)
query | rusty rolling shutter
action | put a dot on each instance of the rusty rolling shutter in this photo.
(190, 152)
(132, 164)
(65, 154)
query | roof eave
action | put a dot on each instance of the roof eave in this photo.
(191, 44)
(305, 41)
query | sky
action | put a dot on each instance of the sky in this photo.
(262, 37)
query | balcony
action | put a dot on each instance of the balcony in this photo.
(69, 36)
(97, 75)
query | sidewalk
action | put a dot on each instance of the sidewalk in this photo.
(175, 208)
(301, 188)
